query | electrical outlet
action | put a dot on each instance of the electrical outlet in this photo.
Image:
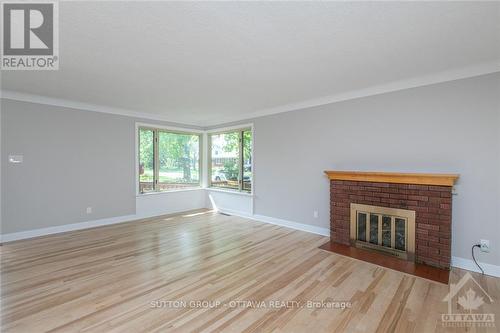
(89, 210)
(485, 245)
(315, 214)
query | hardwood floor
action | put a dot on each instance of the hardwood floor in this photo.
(121, 278)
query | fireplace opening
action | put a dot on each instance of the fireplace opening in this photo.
(387, 230)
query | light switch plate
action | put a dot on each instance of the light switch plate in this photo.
(15, 159)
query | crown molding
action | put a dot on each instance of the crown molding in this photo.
(426, 80)
(39, 99)
(421, 81)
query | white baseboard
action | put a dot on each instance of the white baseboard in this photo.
(67, 227)
(294, 225)
(232, 212)
(468, 264)
(4, 238)
(284, 223)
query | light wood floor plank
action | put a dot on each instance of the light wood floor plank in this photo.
(105, 280)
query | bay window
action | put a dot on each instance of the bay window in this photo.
(168, 160)
(230, 156)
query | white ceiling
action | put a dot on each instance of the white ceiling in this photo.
(204, 63)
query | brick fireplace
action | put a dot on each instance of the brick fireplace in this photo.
(428, 195)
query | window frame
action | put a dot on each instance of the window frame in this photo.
(239, 129)
(156, 158)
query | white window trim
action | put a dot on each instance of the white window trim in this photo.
(201, 133)
(237, 192)
(209, 161)
(194, 188)
(204, 156)
(230, 128)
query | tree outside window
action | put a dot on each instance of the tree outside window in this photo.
(231, 160)
(168, 160)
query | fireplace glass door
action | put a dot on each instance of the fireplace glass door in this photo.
(383, 229)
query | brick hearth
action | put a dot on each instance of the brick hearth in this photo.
(431, 203)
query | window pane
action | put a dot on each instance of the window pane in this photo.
(362, 227)
(247, 161)
(146, 160)
(178, 160)
(386, 231)
(225, 156)
(373, 229)
(400, 234)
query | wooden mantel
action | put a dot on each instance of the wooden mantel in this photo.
(394, 177)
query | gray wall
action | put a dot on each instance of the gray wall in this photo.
(450, 127)
(79, 158)
(73, 159)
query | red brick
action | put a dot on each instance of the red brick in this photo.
(418, 198)
(432, 238)
(445, 194)
(418, 187)
(439, 246)
(428, 226)
(443, 240)
(432, 205)
(440, 188)
(421, 232)
(399, 196)
(426, 193)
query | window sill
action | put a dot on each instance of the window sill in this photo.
(229, 191)
(246, 194)
(169, 191)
